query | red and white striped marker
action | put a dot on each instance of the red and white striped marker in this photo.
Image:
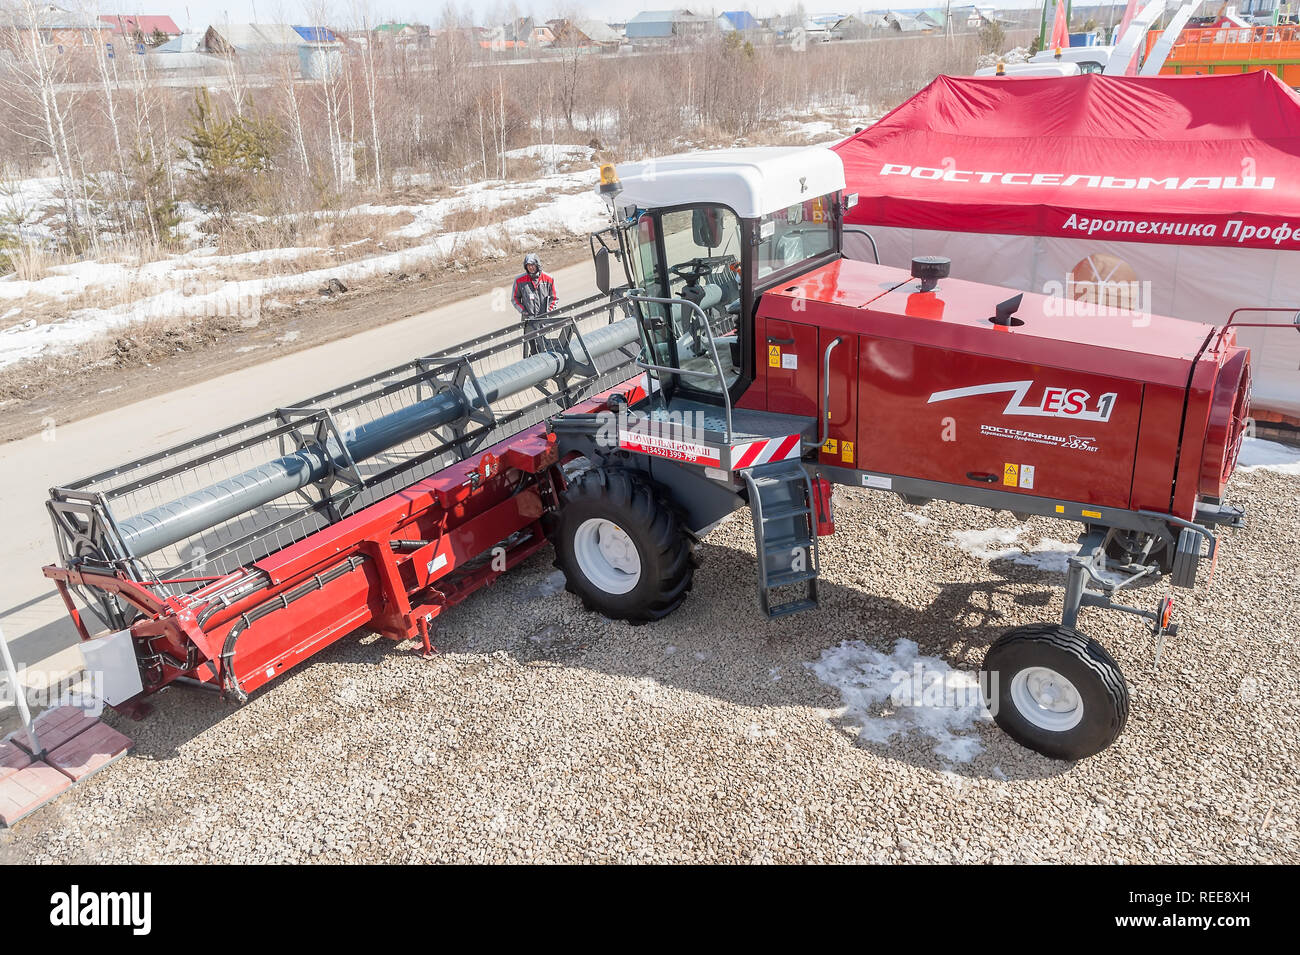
(754, 453)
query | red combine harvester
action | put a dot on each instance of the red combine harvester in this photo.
(743, 362)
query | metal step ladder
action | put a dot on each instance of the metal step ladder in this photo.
(785, 535)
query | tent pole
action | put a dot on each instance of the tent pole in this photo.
(20, 697)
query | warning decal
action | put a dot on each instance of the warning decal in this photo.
(774, 356)
(1011, 474)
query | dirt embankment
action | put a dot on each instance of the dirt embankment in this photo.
(156, 357)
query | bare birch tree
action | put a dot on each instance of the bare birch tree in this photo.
(35, 79)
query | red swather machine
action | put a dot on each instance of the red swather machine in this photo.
(743, 362)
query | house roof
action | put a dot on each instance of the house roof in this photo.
(741, 19)
(869, 21)
(907, 24)
(658, 23)
(269, 37)
(184, 43)
(593, 30)
(146, 24)
(316, 34)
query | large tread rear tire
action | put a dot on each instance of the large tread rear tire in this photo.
(1094, 677)
(664, 549)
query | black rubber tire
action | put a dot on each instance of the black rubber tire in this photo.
(1080, 660)
(666, 551)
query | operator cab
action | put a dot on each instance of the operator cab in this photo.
(702, 236)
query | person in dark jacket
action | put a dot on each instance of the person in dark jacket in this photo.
(533, 297)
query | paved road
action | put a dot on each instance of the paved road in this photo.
(32, 616)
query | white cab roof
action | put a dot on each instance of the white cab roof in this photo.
(753, 182)
(1075, 54)
(1032, 69)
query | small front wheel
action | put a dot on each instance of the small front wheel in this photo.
(1055, 691)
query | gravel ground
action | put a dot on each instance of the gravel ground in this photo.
(544, 733)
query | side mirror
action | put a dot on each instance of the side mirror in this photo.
(706, 228)
(601, 262)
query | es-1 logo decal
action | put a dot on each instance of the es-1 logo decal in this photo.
(1073, 403)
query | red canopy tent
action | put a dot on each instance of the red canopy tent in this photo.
(1035, 156)
(1186, 186)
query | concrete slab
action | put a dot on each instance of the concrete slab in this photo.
(12, 759)
(55, 727)
(89, 752)
(29, 789)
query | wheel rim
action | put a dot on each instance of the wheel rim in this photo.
(607, 556)
(1046, 699)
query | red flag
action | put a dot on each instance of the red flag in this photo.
(1060, 28)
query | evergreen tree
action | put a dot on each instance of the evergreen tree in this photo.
(228, 158)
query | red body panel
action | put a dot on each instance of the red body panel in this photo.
(1085, 408)
(905, 427)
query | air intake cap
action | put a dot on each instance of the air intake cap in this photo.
(929, 269)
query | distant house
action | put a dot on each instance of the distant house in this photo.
(263, 39)
(815, 30)
(57, 27)
(977, 17)
(184, 52)
(141, 29)
(741, 20)
(402, 35)
(662, 26)
(519, 34)
(857, 28)
(934, 19)
(584, 33)
(905, 23)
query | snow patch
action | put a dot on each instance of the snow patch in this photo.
(1048, 555)
(552, 154)
(189, 290)
(552, 584)
(989, 544)
(1260, 455)
(903, 692)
